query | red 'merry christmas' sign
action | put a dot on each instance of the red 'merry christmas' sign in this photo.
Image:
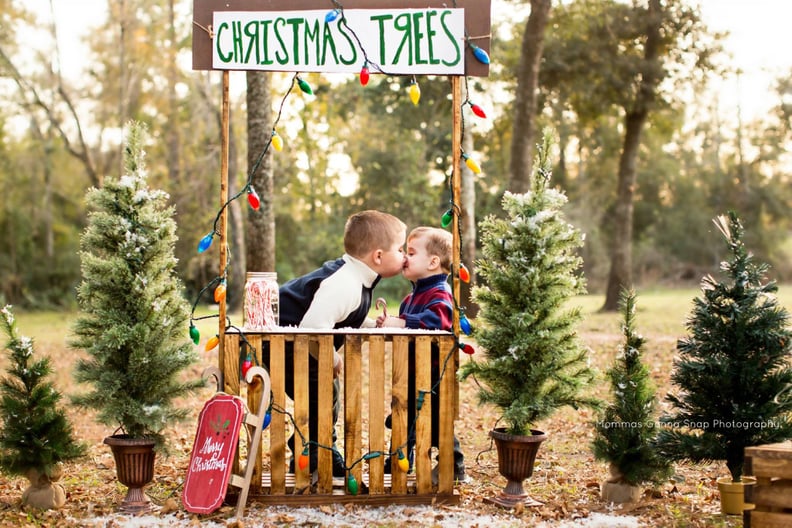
(212, 454)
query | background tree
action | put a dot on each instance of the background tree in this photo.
(260, 228)
(633, 50)
(525, 97)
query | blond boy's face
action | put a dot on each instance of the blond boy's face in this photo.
(419, 264)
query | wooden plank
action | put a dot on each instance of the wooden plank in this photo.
(254, 393)
(376, 421)
(230, 369)
(301, 409)
(477, 22)
(771, 467)
(353, 432)
(277, 369)
(338, 497)
(230, 365)
(782, 450)
(760, 519)
(399, 410)
(325, 423)
(423, 426)
(776, 494)
(445, 479)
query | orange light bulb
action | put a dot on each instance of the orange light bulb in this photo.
(211, 343)
(220, 292)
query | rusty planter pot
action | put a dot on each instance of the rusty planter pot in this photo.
(516, 457)
(134, 458)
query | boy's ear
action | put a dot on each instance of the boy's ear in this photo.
(434, 262)
(376, 256)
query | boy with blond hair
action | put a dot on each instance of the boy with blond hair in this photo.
(430, 306)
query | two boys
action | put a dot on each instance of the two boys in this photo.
(339, 294)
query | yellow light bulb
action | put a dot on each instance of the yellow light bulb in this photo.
(415, 93)
(404, 464)
(472, 165)
(277, 141)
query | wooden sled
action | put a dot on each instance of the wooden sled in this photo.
(216, 443)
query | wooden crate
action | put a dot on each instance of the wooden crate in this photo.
(771, 464)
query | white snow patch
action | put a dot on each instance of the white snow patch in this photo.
(338, 516)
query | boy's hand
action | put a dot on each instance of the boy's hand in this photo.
(338, 364)
(390, 322)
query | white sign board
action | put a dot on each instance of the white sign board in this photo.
(394, 41)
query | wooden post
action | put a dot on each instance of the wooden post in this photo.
(456, 193)
(224, 149)
(456, 184)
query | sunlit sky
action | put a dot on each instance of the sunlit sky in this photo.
(760, 40)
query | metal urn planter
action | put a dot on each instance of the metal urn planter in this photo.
(134, 458)
(516, 458)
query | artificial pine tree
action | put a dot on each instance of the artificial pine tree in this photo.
(134, 315)
(533, 360)
(733, 372)
(626, 429)
(36, 435)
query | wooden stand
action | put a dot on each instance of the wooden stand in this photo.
(771, 464)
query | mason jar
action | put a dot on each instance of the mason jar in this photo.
(261, 301)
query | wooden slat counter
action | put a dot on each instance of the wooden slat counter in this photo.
(374, 384)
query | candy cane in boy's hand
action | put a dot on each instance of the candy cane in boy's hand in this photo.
(383, 305)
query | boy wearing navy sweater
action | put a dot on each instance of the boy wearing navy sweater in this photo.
(338, 295)
(430, 306)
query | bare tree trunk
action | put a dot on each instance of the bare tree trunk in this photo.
(236, 232)
(620, 275)
(522, 148)
(172, 128)
(260, 236)
(468, 227)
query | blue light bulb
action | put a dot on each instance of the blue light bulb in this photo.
(205, 242)
(332, 15)
(480, 54)
(464, 324)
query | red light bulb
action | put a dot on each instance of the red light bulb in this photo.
(477, 110)
(302, 462)
(253, 198)
(464, 274)
(246, 366)
(364, 75)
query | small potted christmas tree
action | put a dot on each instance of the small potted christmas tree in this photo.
(733, 372)
(133, 316)
(533, 362)
(625, 431)
(36, 436)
